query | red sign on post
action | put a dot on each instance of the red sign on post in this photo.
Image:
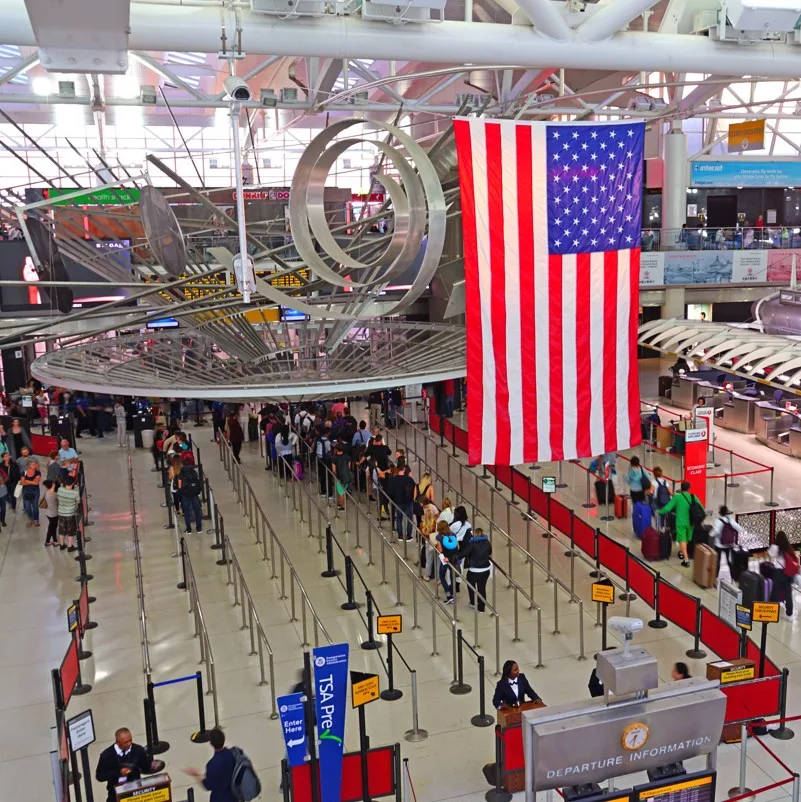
(695, 448)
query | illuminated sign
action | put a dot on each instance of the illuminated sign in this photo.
(264, 194)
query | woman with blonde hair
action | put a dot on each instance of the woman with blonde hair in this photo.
(428, 532)
(446, 513)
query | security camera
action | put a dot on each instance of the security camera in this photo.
(626, 626)
(236, 88)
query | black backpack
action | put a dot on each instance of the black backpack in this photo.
(697, 511)
(245, 784)
(190, 483)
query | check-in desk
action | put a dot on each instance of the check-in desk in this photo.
(689, 387)
(736, 411)
(778, 429)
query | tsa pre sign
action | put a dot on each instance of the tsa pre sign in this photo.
(293, 725)
(331, 694)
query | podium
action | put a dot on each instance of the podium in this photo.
(510, 732)
(156, 788)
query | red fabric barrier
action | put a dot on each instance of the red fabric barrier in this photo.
(504, 474)
(447, 430)
(719, 636)
(512, 738)
(584, 536)
(677, 607)
(560, 517)
(460, 438)
(380, 776)
(752, 699)
(538, 501)
(83, 606)
(43, 444)
(434, 421)
(69, 672)
(752, 653)
(612, 555)
(641, 580)
(520, 484)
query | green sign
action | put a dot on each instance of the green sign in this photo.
(111, 196)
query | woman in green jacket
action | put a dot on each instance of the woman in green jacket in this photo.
(680, 504)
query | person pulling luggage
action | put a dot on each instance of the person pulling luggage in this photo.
(689, 514)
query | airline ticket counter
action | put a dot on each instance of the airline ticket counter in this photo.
(779, 427)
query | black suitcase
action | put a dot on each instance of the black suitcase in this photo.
(739, 563)
(752, 586)
(604, 492)
(665, 386)
(665, 545)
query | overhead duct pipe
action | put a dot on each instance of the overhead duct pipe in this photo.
(478, 44)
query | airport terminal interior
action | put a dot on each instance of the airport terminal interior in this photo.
(405, 394)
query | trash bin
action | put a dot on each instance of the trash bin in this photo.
(147, 438)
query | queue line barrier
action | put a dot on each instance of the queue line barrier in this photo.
(670, 603)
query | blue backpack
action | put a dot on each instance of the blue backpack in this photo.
(450, 543)
(245, 784)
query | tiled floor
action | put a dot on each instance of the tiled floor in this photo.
(36, 585)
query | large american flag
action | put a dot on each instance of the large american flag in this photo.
(551, 219)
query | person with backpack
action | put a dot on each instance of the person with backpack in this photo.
(322, 452)
(660, 497)
(786, 570)
(230, 776)
(235, 436)
(638, 481)
(448, 548)
(402, 492)
(725, 534)
(189, 488)
(476, 553)
(689, 514)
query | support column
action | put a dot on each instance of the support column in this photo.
(674, 187)
(674, 303)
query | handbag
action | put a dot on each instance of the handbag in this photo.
(42, 503)
(645, 482)
(18, 491)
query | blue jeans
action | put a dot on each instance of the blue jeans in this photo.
(407, 509)
(448, 406)
(31, 505)
(191, 505)
(445, 578)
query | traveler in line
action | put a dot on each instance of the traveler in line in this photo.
(229, 774)
(174, 477)
(68, 498)
(341, 468)
(476, 553)
(402, 489)
(285, 448)
(638, 481)
(10, 471)
(661, 495)
(49, 504)
(16, 438)
(681, 504)
(189, 488)
(680, 671)
(446, 513)
(512, 688)
(785, 572)
(448, 547)
(54, 472)
(234, 435)
(3, 495)
(123, 762)
(30, 482)
(428, 533)
(24, 459)
(725, 533)
(121, 418)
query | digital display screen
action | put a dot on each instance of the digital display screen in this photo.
(116, 253)
(686, 788)
(292, 314)
(16, 265)
(163, 323)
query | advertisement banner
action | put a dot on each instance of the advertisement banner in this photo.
(749, 266)
(742, 173)
(331, 693)
(780, 265)
(698, 267)
(695, 449)
(652, 269)
(293, 725)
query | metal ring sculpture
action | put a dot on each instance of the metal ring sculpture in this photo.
(418, 200)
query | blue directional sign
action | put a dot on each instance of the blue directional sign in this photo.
(293, 725)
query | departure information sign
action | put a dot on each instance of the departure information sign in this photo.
(686, 788)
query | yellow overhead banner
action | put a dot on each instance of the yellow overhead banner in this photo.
(749, 135)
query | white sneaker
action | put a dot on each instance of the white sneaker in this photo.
(791, 617)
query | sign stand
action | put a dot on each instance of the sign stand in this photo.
(766, 613)
(364, 689)
(310, 722)
(390, 625)
(548, 487)
(603, 592)
(81, 729)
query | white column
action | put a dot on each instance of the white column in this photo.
(674, 187)
(674, 303)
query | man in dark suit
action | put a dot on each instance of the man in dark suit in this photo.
(123, 762)
(512, 688)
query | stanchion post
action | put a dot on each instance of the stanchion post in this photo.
(371, 642)
(497, 794)
(202, 735)
(627, 595)
(483, 719)
(742, 790)
(351, 603)
(783, 733)
(697, 653)
(658, 622)
(157, 747)
(589, 503)
(392, 693)
(771, 502)
(460, 687)
(224, 559)
(330, 571)
(182, 554)
(415, 734)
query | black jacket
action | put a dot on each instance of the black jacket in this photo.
(110, 764)
(476, 552)
(505, 694)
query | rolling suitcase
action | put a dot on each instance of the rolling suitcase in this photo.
(753, 587)
(641, 518)
(621, 506)
(253, 428)
(705, 566)
(665, 545)
(739, 563)
(604, 492)
(651, 540)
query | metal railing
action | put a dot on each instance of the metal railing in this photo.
(265, 536)
(727, 238)
(201, 631)
(250, 619)
(140, 590)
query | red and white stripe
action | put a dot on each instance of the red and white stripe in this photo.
(551, 340)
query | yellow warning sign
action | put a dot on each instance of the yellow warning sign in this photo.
(766, 612)
(147, 795)
(365, 690)
(749, 135)
(389, 624)
(603, 593)
(737, 674)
